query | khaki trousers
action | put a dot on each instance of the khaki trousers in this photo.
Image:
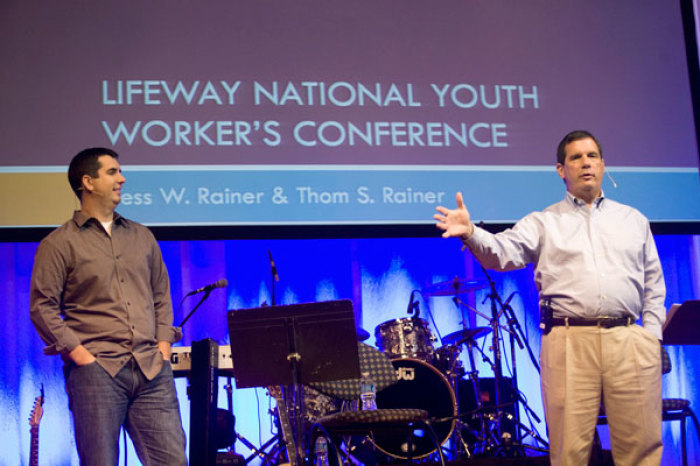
(623, 364)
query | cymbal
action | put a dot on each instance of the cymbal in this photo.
(362, 334)
(462, 336)
(454, 287)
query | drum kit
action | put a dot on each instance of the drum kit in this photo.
(478, 416)
(432, 378)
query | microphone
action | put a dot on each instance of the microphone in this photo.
(274, 268)
(611, 179)
(223, 283)
(411, 305)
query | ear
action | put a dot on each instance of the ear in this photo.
(560, 170)
(87, 183)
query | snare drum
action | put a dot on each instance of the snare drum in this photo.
(406, 338)
(420, 386)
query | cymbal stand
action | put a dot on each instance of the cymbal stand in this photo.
(516, 330)
(458, 446)
(498, 309)
(513, 328)
(474, 377)
(496, 348)
(487, 440)
(513, 339)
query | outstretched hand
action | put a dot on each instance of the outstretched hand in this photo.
(454, 222)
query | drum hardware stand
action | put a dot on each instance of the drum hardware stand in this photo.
(488, 440)
(512, 447)
(517, 335)
(458, 446)
(516, 330)
(493, 440)
(483, 437)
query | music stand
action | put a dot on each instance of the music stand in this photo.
(319, 338)
(294, 344)
(682, 325)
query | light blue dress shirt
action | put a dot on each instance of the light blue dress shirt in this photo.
(591, 262)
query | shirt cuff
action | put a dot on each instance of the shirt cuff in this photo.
(475, 238)
(69, 343)
(171, 334)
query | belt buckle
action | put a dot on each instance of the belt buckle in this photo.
(609, 322)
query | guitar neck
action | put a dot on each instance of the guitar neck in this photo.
(34, 420)
(34, 451)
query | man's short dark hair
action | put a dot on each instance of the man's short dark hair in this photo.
(575, 136)
(86, 163)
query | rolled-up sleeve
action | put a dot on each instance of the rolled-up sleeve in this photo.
(45, 295)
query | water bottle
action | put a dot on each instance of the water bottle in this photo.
(321, 450)
(368, 393)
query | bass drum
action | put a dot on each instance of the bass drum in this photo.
(419, 386)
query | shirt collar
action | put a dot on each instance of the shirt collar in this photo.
(573, 200)
(81, 218)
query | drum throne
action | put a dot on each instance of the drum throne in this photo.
(340, 428)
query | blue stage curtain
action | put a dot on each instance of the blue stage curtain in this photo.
(377, 275)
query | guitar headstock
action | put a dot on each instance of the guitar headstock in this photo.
(37, 410)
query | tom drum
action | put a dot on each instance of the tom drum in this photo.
(406, 338)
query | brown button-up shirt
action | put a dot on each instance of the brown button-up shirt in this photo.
(109, 293)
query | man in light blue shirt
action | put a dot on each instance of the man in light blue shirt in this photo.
(597, 271)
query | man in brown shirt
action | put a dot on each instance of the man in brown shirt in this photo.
(100, 298)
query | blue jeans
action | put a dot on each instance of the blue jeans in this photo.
(148, 409)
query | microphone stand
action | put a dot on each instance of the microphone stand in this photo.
(275, 276)
(297, 389)
(204, 297)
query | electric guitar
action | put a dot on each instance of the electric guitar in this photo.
(34, 419)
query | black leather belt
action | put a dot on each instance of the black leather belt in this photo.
(604, 322)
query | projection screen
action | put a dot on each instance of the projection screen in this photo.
(342, 113)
